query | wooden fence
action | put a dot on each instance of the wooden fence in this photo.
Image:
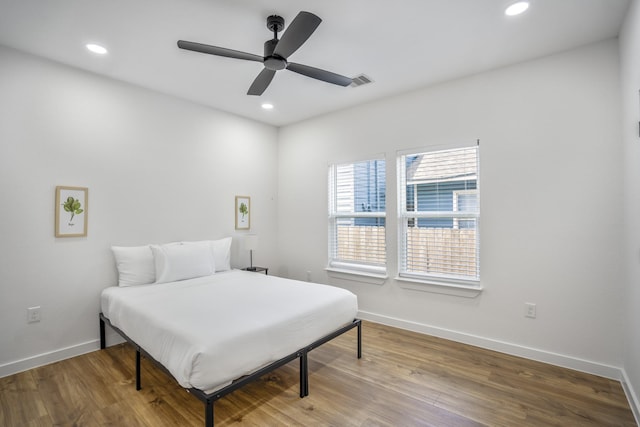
(429, 250)
(362, 244)
(442, 251)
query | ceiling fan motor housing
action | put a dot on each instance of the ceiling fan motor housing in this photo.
(271, 61)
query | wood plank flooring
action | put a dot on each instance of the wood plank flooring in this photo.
(403, 379)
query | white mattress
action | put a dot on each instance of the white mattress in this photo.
(211, 330)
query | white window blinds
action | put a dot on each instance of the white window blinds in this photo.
(439, 212)
(357, 193)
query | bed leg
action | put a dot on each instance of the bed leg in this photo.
(360, 340)
(138, 384)
(103, 341)
(304, 374)
(208, 413)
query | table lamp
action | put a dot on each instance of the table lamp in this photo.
(251, 244)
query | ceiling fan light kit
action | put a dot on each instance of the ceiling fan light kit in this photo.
(276, 52)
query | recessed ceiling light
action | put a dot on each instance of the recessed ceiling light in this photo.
(267, 106)
(517, 8)
(96, 48)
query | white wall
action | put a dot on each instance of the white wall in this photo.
(551, 192)
(630, 72)
(158, 170)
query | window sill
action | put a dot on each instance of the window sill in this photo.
(467, 291)
(357, 276)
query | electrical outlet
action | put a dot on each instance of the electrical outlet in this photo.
(530, 310)
(308, 275)
(33, 314)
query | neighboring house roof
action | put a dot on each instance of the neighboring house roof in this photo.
(440, 166)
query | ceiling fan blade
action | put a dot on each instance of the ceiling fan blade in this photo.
(219, 51)
(300, 29)
(261, 82)
(317, 73)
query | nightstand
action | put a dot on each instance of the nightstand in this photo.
(257, 269)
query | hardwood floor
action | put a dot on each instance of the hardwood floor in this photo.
(403, 379)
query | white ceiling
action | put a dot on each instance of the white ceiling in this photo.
(402, 45)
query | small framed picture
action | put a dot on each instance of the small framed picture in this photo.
(72, 205)
(243, 212)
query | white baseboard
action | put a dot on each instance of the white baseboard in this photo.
(47, 358)
(581, 365)
(632, 396)
(56, 355)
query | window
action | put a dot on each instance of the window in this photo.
(439, 214)
(357, 217)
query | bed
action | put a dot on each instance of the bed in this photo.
(215, 332)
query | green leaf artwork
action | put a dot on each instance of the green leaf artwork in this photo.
(72, 206)
(243, 209)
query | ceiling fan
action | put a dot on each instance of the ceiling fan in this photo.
(276, 52)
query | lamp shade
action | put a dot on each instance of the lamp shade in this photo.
(251, 242)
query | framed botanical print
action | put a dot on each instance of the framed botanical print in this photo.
(72, 205)
(243, 212)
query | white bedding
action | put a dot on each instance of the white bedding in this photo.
(211, 330)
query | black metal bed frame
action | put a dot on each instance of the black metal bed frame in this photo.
(209, 398)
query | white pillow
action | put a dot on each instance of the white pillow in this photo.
(222, 253)
(135, 265)
(180, 261)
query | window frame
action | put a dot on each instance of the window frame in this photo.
(334, 264)
(456, 202)
(404, 218)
